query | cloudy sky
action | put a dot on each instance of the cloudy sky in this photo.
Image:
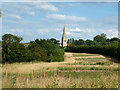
(33, 20)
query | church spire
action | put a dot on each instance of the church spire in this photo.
(64, 31)
(64, 38)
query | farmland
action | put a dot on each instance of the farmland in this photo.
(78, 70)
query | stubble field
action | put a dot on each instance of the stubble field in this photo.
(79, 70)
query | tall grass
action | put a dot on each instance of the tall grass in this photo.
(52, 80)
(80, 73)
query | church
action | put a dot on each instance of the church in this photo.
(64, 38)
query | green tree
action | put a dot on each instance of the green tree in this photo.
(38, 54)
(89, 42)
(54, 40)
(114, 39)
(71, 40)
(68, 41)
(46, 48)
(81, 42)
(12, 50)
(100, 39)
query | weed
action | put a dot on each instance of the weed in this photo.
(74, 85)
(54, 84)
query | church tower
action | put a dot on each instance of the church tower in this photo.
(64, 38)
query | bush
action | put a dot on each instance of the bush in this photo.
(38, 50)
(49, 51)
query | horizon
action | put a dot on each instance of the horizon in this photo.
(46, 20)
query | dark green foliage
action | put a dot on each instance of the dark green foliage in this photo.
(12, 50)
(89, 42)
(97, 40)
(101, 39)
(38, 53)
(109, 50)
(38, 50)
(100, 45)
(54, 40)
(79, 42)
(47, 49)
(71, 40)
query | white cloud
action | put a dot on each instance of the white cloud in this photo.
(30, 8)
(89, 33)
(17, 30)
(48, 7)
(14, 16)
(42, 6)
(31, 13)
(58, 29)
(111, 32)
(76, 29)
(65, 18)
(70, 4)
(41, 31)
(68, 33)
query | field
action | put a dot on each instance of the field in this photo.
(79, 70)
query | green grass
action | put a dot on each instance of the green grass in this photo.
(91, 59)
(88, 68)
(82, 55)
(90, 63)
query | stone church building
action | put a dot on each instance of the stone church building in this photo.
(64, 38)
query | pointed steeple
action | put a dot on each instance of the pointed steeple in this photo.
(64, 31)
(64, 38)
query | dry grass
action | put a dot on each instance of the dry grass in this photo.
(46, 75)
(77, 80)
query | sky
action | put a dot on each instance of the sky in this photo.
(32, 20)
(0, 22)
(61, 0)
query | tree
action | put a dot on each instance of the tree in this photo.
(9, 39)
(89, 42)
(12, 50)
(103, 35)
(39, 54)
(100, 39)
(71, 40)
(114, 39)
(38, 50)
(81, 42)
(54, 40)
(46, 50)
(68, 41)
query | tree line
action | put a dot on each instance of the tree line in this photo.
(38, 50)
(97, 40)
(99, 45)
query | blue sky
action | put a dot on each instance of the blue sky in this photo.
(33, 20)
(0, 22)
